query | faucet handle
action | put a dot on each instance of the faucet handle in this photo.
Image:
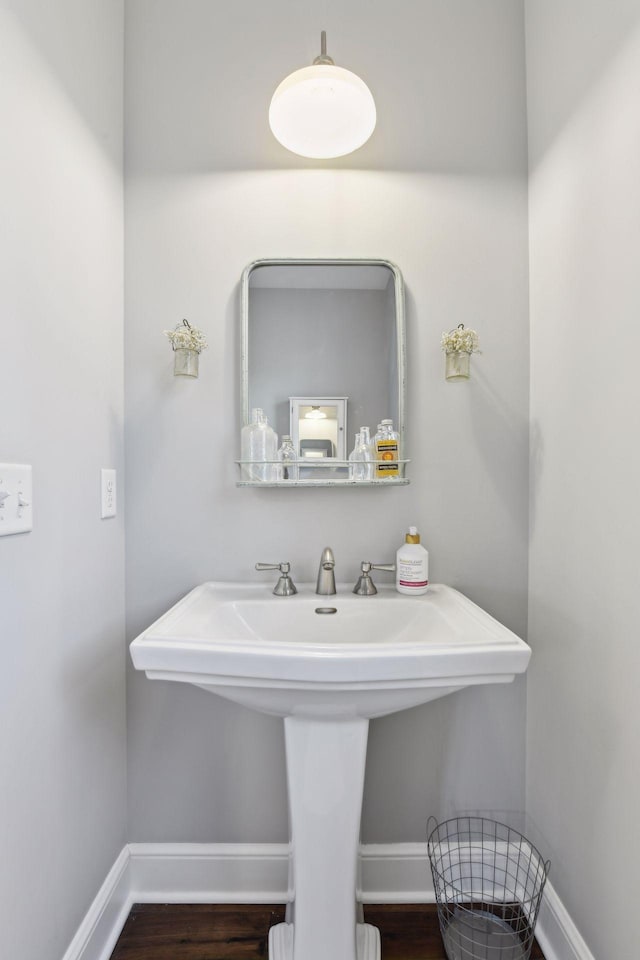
(365, 587)
(285, 586)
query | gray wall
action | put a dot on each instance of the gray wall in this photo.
(62, 682)
(444, 196)
(583, 760)
(583, 778)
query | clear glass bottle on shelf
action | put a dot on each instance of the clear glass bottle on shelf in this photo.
(355, 467)
(365, 454)
(288, 468)
(270, 468)
(258, 444)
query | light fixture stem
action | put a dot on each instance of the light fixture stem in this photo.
(324, 57)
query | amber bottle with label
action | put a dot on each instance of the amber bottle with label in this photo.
(387, 451)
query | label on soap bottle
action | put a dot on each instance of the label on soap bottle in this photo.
(412, 572)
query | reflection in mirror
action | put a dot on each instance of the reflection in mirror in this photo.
(318, 434)
(325, 334)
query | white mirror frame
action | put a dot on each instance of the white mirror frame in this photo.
(400, 347)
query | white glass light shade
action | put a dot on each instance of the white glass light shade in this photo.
(322, 111)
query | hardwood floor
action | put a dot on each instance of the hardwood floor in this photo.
(196, 931)
(200, 931)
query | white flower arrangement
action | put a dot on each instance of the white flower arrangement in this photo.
(461, 340)
(186, 337)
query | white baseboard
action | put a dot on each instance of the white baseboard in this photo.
(556, 932)
(395, 873)
(209, 872)
(97, 934)
(258, 873)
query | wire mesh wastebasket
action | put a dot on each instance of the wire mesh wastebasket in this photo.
(488, 880)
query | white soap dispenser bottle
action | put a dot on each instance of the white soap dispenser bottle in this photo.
(412, 565)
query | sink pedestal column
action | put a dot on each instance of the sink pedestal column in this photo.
(325, 774)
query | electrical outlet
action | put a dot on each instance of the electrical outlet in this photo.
(108, 498)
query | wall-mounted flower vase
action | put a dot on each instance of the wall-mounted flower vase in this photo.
(458, 345)
(185, 362)
(187, 342)
(457, 365)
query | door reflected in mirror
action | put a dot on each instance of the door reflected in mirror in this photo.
(323, 353)
(318, 435)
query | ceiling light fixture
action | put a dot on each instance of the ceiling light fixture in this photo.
(322, 111)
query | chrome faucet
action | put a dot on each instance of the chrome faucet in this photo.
(326, 578)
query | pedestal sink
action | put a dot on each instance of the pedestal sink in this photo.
(327, 665)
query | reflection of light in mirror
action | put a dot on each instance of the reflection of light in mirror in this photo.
(315, 414)
(318, 437)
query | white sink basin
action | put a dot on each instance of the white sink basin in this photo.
(327, 674)
(374, 655)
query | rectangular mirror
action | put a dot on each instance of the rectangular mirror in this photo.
(325, 334)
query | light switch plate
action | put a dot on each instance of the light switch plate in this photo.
(16, 498)
(108, 498)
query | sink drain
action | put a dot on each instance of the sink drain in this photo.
(325, 610)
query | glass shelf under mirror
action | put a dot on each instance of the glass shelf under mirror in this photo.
(320, 473)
